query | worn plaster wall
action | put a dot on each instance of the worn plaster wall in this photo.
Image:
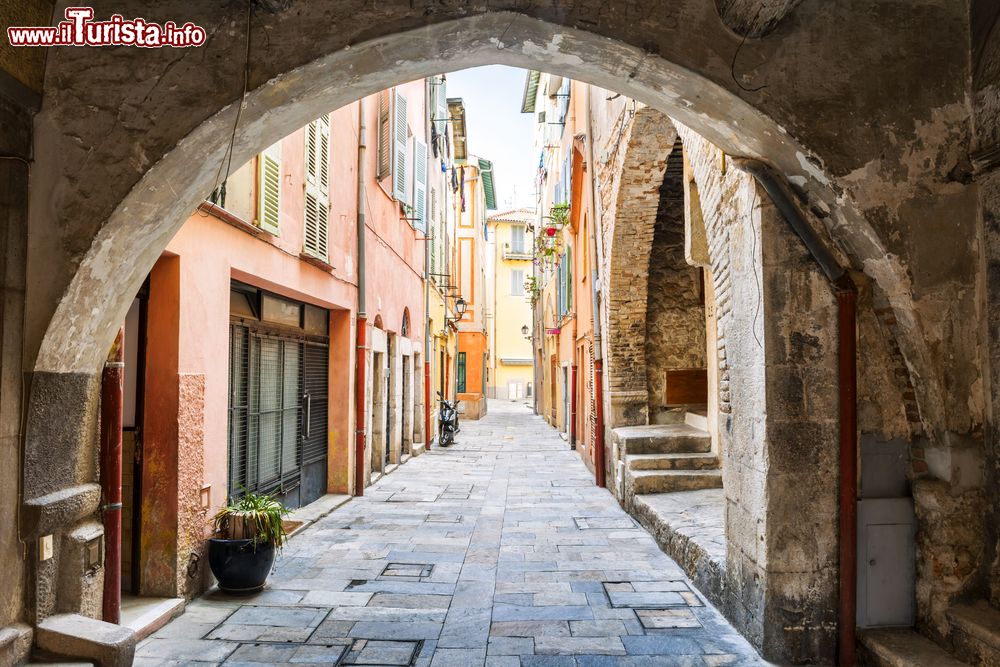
(675, 308)
(985, 60)
(15, 139)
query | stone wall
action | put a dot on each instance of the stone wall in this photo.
(778, 421)
(986, 159)
(675, 305)
(630, 174)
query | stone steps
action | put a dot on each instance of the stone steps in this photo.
(671, 461)
(975, 632)
(668, 481)
(662, 439)
(902, 647)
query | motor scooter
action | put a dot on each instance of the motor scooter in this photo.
(447, 422)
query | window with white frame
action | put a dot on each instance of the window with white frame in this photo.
(517, 239)
(517, 282)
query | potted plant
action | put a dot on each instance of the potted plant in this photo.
(250, 533)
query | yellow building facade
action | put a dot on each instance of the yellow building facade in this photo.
(512, 369)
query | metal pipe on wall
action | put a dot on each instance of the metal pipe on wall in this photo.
(572, 422)
(112, 401)
(847, 371)
(595, 311)
(360, 372)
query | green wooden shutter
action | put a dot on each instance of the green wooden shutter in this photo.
(460, 379)
(317, 195)
(269, 188)
(569, 278)
(400, 158)
(420, 185)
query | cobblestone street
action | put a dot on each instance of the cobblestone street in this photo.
(498, 551)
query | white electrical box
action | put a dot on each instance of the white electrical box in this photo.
(886, 562)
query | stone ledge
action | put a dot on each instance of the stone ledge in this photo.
(689, 526)
(15, 643)
(48, 513)
(72, 635)
(901, 647)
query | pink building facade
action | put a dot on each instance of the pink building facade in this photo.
(241, 348)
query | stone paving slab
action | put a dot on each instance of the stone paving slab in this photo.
(498, 551)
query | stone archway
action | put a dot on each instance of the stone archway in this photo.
(638, 169)
(121, 160)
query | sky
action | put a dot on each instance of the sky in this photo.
(497, 130)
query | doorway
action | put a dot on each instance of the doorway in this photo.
(380, 379)
(132, 410)
(407, 405)
(553, 392)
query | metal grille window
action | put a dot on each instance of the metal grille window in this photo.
(278, 401)
(265, 407)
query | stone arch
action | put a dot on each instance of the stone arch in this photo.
(643, 153)
(121, 160)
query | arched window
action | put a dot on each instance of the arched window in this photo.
(404, 329)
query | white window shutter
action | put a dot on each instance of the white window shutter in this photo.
(311, 153)
(269, 188)
(441, 111)
(434, 229)
(317, 195)
(420, 185)
(400, 151)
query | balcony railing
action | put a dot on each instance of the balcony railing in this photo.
(516, 253)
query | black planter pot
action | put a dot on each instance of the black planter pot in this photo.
(238, 566)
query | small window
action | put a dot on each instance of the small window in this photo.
(517, 283)
(316, 320)
(517, 239)
(242, 304)
(460, 380)
(280, 311)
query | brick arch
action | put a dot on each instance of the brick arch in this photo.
(645, 147)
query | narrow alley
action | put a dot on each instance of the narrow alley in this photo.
(497, 551)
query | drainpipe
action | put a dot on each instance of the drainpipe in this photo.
(427, 336)
(847, 296)
(595, 297)
(112, 398)
(360, 378)
(572, 423)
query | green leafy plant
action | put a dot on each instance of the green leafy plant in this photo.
(252, 516)
(533, 289)
(559, 215)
